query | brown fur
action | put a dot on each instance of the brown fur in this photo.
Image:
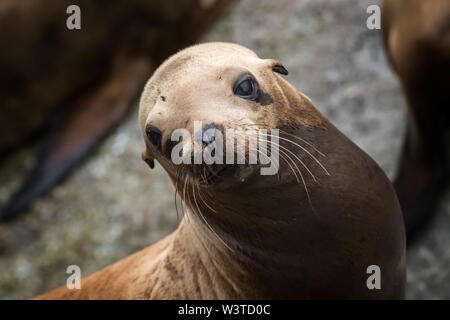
(263, 239)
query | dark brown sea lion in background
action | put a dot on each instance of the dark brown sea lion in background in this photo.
(417, 39)
(308, 232)
(83, 81)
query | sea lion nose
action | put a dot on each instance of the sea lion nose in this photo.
(154, 136)
(207, 136)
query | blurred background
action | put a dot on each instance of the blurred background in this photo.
(113, 205)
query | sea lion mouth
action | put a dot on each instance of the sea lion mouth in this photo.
(208, 175)
(223, 172)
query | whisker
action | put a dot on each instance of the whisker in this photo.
(202, 199)
(284, 155)
(177, 180)
(296, 144)
(309, 153)
(185, 211)
(284, 148)
(206, 222)
(304, 141)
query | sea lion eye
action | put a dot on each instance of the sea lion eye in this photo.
(246, 88)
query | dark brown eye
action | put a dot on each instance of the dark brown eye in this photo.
(246, 88)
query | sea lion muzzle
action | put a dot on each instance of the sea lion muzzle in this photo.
(207, 135)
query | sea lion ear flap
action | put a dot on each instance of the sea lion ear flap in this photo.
(279, 68)
(147, 159)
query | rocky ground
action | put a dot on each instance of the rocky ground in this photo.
(114, 205)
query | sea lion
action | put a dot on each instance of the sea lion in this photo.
(417, 40)
(310, 231)
(78, 85)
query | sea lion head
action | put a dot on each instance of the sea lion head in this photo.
(219, 86)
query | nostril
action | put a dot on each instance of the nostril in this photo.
(207, 134)
(208, 138)
(155, 136)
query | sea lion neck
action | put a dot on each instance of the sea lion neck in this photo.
(242, 264)
(258, 239)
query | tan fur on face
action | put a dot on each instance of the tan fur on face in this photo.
(197, 84)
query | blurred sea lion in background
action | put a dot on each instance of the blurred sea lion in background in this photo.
(417, 38)
(82, 81)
